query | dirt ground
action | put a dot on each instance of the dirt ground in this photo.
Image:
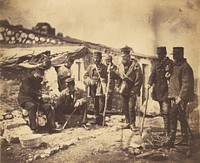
(108, 144)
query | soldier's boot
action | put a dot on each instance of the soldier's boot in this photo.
(127, 126)
(172, 134)
(133, 127)
(184, 132)
(166, 130)
(170, 140)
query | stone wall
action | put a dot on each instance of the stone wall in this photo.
(10, 34)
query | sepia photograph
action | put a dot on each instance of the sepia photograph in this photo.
(99, 81)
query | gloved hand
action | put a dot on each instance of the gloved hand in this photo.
(177, 100)
(77, 104)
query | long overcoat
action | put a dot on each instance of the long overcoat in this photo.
(159, 78)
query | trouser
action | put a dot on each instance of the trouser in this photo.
(164, 110)
(128, 103)
(178, 112)
(61, 111)
(32, 109)
(99, 103)
(109, 101)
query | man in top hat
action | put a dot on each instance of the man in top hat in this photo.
(70, 100)
(29, 98)
(112, 69)
(159, 78)
(131, 82)
(181, 91)
(64, 71)
(95, 79)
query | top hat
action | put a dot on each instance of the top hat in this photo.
(161, 50)
(178, 50)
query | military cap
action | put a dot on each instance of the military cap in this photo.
(126, 50)
(161, 50)
(108, 57)
(107, 50)
(97, 53)
(178, 50)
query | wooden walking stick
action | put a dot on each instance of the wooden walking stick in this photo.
(106, 95)
(142, 125)
(69, 117)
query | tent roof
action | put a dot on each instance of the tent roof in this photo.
(20, 56)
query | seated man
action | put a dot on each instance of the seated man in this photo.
(68, 102)
(29, 98)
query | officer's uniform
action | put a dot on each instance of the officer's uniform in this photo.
(132, 79)
(96, 74)
(113, 77)
(181, 87)
(159, 78)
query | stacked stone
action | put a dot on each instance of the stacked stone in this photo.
(17, 35)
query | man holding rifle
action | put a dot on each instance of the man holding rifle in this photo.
(181, 91)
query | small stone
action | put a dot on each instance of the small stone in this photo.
(103, 150)
(55, 149)
(1, 118)
(137, 151)
(12, 135)
(188, 153)
(16, 122)
(8, 149)
(29, 160)
(131, 150)
(17, 113)
(3, 141)
(8, 116)
(37, 156)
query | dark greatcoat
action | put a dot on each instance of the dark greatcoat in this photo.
(182, 82)
(100, 78)
(134, 79)
(159, 78)
(30, 91)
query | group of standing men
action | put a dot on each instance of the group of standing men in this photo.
(173, 88)
(100, 78)
(172, 81)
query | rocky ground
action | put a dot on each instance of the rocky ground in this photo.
(100, 144)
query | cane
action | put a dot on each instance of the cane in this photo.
(69, 117)
(106, 97)
(141, 129)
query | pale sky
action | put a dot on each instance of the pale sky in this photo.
(141, 24)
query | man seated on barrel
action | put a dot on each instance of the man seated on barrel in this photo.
(69, 102)
(29, 98)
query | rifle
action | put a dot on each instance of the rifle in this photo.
(106, 95)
